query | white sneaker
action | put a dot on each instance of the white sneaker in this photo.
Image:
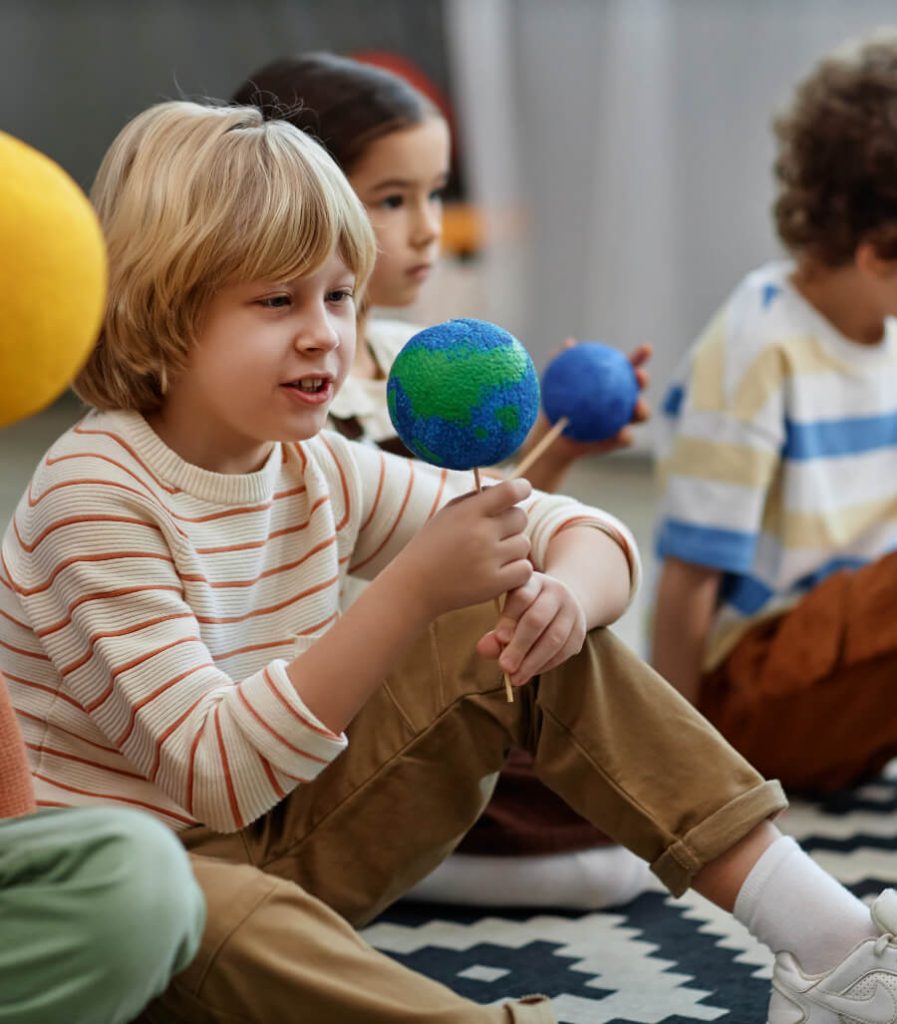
(862, 989)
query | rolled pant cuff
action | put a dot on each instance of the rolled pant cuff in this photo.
(683, 859)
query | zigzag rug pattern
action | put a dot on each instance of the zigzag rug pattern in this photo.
(656, 960)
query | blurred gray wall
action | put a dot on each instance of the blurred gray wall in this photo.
(73, 71)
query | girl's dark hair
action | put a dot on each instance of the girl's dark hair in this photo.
(836, 168)
(343, 103)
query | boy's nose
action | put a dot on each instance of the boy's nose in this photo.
(318, 332)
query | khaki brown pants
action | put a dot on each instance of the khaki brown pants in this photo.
(610, 736)
(809, 696)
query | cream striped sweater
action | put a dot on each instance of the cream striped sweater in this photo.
(148, 609)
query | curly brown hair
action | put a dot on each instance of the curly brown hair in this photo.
(837, 162)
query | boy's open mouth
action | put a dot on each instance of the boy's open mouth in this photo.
(311, 390)
(309, 385)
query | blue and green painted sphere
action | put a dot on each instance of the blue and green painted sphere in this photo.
(462, 394)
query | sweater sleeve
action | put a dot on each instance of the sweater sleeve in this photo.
(397, 496)
(112, 630)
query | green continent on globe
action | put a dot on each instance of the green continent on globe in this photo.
(420, 370)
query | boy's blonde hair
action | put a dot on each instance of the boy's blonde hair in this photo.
(192, 197)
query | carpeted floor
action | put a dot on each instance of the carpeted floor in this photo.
(655, 961)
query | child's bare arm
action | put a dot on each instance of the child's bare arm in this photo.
(587, 583)
(686, 601)
(471, 551)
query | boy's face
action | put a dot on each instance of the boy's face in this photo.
(265, 367)
(400, 178)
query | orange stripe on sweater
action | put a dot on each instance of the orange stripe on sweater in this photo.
(343, 484)
(286, 567)
(124, 631)
(119, 440)
(244, 700)
(53, 691)
(443, 476)
(76, 521)
(38, 748)
(228, 780)
(275, 785)
(105, 556)
(395, 524)
(150, 697)
(56, 727)
(376, 501)
(54, 460)
(319, 729)
(211, 517)
(102, 595)
(157, 756)
(118, 799)
(39, 655)
(191, 764)
(14, 621)
(219, 620)
(283, 532)
(90, 708)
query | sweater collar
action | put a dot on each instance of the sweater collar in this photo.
(220, 488)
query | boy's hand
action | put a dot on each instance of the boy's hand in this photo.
(473, 550)
(541, 625)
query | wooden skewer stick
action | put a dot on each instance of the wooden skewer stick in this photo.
(509, 690)
(525, 463)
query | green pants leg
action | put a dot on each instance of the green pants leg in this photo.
(98, 909)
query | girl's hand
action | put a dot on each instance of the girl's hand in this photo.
(472, 550)
(542, 624)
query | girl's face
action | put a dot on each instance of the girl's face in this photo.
(268, 360)
(400, 178)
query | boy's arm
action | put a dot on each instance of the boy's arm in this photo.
(594, 566)
(686, 601)
(469, 552)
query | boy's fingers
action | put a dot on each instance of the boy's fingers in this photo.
(511, 522)
(498, 497)
(488, 646)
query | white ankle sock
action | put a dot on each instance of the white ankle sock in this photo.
(789, 903)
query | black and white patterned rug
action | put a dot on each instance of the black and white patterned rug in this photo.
(656, 960)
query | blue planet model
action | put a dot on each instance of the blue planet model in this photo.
(594, 386)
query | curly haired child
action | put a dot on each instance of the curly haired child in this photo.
(778, 592)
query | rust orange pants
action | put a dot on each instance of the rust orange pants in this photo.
(810, 696)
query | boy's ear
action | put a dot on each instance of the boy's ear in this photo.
(869, 261)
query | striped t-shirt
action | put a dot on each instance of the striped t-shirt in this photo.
(778, 456)
(148, 610)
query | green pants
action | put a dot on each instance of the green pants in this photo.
(98, 909)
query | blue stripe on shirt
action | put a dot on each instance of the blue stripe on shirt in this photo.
(730, 550)
(833, 438)
(748, 595)
(672, 401)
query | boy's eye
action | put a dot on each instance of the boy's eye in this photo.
(391, 202)
(340, 295)
(438, 194)
(275, 301)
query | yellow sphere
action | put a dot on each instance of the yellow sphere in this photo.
(52, 279)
